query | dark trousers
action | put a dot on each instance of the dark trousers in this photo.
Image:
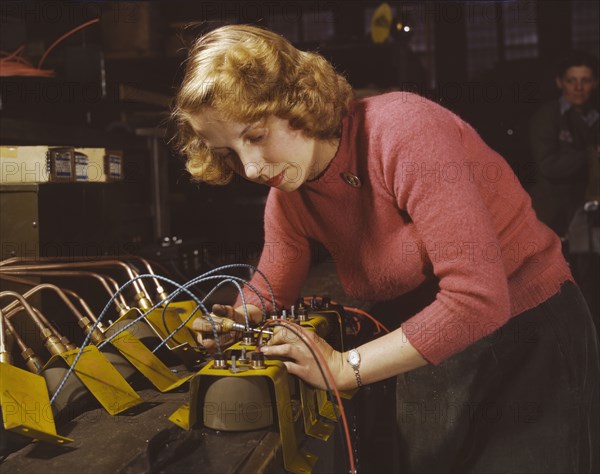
(522, 400)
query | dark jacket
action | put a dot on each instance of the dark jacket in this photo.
(562, 146)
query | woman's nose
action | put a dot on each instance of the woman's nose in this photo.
(252, 164)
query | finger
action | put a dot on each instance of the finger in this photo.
(203, 325)
(226, 339)
(283, 350)
(209, 344)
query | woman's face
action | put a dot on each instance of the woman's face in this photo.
(266, 152)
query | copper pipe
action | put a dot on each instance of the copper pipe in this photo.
(137, 284)
(46, 286)
(159, 289)
(84, 323)
(11, 329)
(72, 294)
(43, 319)
(4, 353)
(103, 279)
(64, 340)
(8, 261)
(32, 361)
(50, 341)
(40, 286)
(26, 306)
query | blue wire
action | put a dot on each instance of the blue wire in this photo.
(103, 313)
(170, 300)
(180, 288)
(184, 287)
(246, 265)
(201, 278)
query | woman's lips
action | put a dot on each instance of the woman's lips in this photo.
(275, 180)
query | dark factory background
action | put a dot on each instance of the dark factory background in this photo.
(91, 83)
(114, 80)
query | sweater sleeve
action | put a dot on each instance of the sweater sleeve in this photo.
(285, 258)
(555, 159)
(436, 180)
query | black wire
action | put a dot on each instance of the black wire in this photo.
(329, 389)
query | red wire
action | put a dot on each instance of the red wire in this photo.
(378, 324)
(14, 64)
(324, 365)
(67, 34)
(367, 315)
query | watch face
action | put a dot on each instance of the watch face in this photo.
(354, 357)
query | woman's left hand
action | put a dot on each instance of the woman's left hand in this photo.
(302, 363)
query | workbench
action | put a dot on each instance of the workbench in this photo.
(143, 440)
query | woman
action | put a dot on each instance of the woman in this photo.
(497, 370)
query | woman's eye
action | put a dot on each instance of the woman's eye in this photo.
(255, 138)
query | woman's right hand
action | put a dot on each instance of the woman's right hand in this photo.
(204, 330)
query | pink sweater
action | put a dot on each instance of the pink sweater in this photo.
(434, 202)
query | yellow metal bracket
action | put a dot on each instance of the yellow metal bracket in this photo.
(313, 425)
(183, 310)
(321, 323)
(184, 343)
(295, 460)
(98, 375)
(144, 360)
(26, 406)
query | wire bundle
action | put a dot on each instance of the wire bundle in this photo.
(15, 64)
(214, 274)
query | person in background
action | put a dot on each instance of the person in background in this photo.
(497, 367)
(565, 141)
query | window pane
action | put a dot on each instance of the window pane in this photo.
(584, 24)
(520, 29)
(482, 39)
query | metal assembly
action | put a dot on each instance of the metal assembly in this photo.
(220, 362)
(257, 359)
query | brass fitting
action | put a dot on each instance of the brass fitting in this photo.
(143, 302)
(5, 357)
(97, 336)
(52, 343)
(65, 342)
(33, 362)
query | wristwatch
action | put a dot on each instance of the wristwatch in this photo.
(354, 361)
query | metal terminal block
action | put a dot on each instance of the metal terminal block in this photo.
(248, 338)
(220, 362)
(302, 314)
(257, 359)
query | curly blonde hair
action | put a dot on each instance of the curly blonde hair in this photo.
(246, 74)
